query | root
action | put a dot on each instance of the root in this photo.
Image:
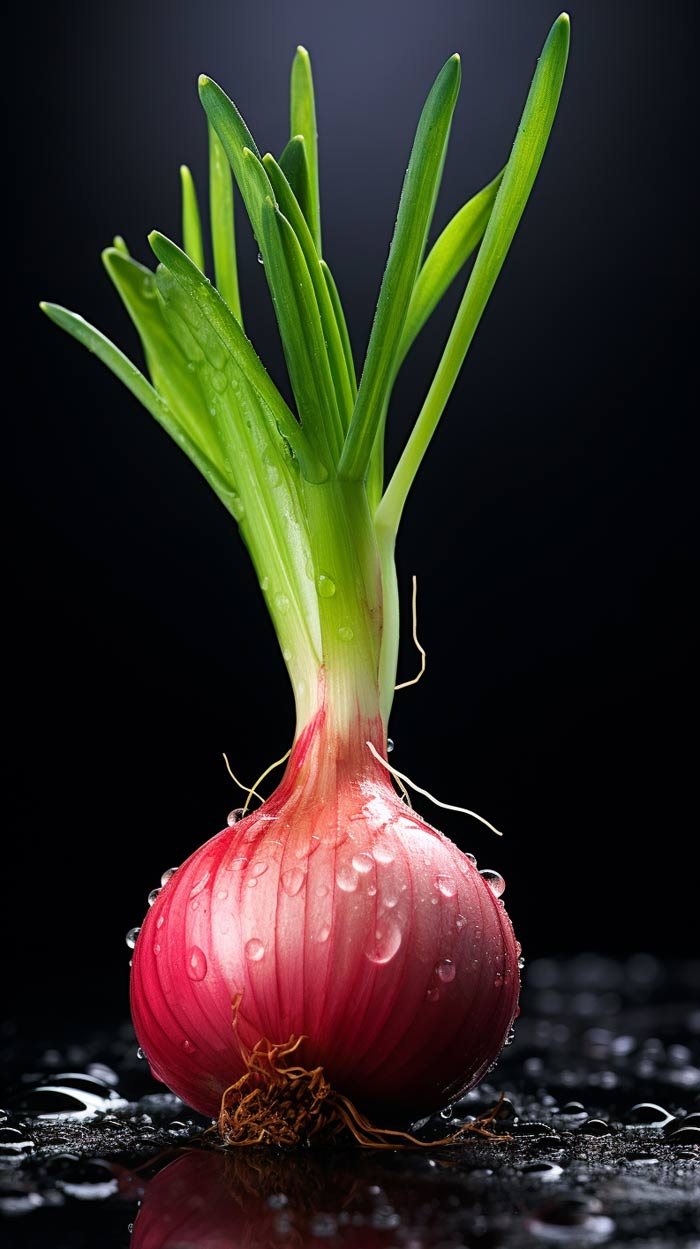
(279, 1103)
(446, 806)
(253, 791)
(414, 612)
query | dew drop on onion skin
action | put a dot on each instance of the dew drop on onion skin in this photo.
(446, 886)
(323, 933)
(382, 853)
(188, 1046)
(254, 950)
(494, 880)
(237, 865)
(433, 995)
(170, 871)
(234, 816)
(386, 943)
(131, 937)
(445, 970)
(196, 963)
(363, 863)
(160, 921)
(460, 923)
(346, 878)
(152, 896)
(293, 881)
(259, 868)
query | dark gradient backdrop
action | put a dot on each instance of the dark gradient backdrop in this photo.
(549, 528)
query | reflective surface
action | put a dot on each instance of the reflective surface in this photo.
(599, 1142)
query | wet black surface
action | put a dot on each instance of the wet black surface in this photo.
(599, 1127)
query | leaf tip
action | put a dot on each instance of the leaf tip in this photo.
(302, 52)
(44, 306)
(203, 81)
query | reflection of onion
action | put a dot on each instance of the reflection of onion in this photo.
(256, 1199)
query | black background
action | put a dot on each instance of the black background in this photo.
(548, 528)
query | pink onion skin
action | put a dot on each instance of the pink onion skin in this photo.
(340, 915)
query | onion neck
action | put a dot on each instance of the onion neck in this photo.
(343, 686)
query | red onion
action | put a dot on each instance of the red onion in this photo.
(337, 914)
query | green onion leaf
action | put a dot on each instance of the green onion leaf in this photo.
(415, 213)
(232, 339)
(191, 222)
(223, 236)
(302, 334)
(335, 355)
(295, 168)
(342, 326)
(518, 179)
(302, 116)
(236, 139)
(167, 361)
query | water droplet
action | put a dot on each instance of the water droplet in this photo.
(259, 867)
(222, 893)
(382, 853)
(345, 633)
(156, 948)
(347, 878)
(218, 380)
(152, 896)
(387, 942)
(445, 970)
(199, 885)
(160, 921)
(494, 880)
(234, 816)
(446, 886)
(510, 1038)
(282, 604)
(265, 584)
(194, 905)
(237, 865)
(323, 933)
(433, 995)
(196, 963)
(371, 891)
(188, 1046)
(140, 1054)
(460, 922)
(321, 891)
(521, 963)
(363, 863)
(389, 745)
(261, 260)
(254, 950)
(325, 585)
(293, 881)
(471, 857)
(236, 506)
(390, 902)
(131, 937)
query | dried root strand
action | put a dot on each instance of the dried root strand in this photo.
(278, 1103)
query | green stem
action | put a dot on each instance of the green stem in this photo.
(347, 578)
